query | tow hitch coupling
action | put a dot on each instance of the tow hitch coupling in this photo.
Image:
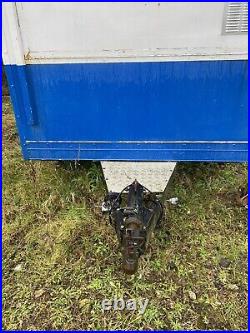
(134, 213)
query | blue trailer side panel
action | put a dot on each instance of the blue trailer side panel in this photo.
(177, 111)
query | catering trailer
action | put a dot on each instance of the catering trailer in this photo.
(138, 86)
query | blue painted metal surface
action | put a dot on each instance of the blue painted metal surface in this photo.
(178, 111)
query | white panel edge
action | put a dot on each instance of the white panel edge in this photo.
(12, 49)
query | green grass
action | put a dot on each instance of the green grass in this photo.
(70, 261)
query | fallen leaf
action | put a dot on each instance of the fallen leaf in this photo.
(192, 295)
(39, 293)
(18, 268)
(233, 287)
